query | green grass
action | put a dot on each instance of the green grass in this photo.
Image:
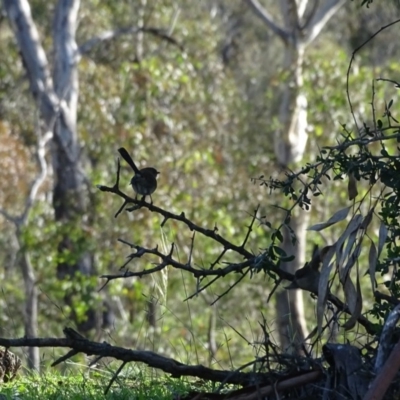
(53, 385)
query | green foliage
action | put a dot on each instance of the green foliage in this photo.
(369, 161)
(132, 383)
(208, 127)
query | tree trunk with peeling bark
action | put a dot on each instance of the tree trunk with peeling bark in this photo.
(56, 96)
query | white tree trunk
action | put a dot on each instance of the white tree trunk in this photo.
(56, 96)
(31, 309)
(301, 25)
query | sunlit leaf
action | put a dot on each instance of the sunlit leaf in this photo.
(367, 220)
(354, 300)
(323, 285)
(311, 334)
(372, 260)
(383, 233)
(346, 255)
(353, 257)
(337, 217)
(353, 226)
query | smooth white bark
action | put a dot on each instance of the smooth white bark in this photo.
(301, 26)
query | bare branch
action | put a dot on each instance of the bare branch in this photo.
(250, 227)
(320, 18)
(41, 175)
(115, 377)
(9, 217)
(181, 217)
(113, 34)
(154, 360)
(267, 18)
(196, 272)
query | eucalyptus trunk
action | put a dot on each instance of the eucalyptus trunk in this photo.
(56, 96)
(302, 21)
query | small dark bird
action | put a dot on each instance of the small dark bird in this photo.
(144, 182)
(307, 278)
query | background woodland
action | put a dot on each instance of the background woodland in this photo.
(214, 94)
